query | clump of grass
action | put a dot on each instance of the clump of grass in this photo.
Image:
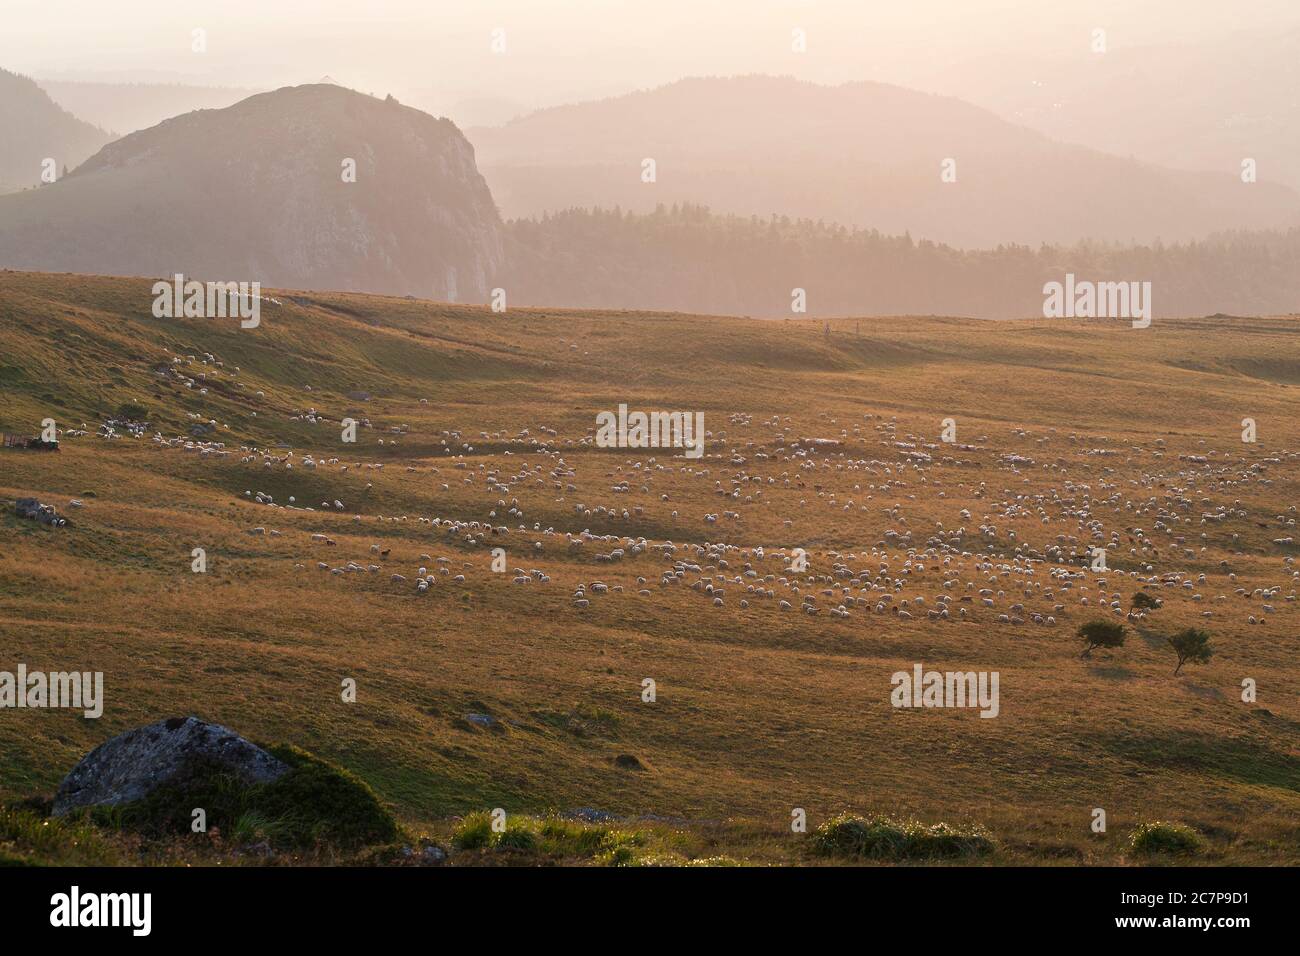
(516, 836)
(712, 861)
(474, 832)
(620, 855)
(28, 838)
(1161, 837)
(583, 720)
(881, 838)
(551, 837)
(671, 859)
(594, 719)
(314, 804)
(254, 827)
(605, 844)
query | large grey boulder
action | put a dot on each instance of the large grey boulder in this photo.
(132, 765)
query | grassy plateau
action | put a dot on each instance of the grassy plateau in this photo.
(502, 689)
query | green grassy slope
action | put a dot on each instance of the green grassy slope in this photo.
(759, 710)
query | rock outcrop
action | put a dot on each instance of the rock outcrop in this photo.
(307, 187)
(169, 753)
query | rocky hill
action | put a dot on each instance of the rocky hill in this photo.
(260, 191)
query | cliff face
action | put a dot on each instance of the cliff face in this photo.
(259, 191)
(33, 128)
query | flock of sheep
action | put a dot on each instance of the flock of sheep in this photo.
(971, 571)
(981, 564)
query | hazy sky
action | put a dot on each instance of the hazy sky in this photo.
(559, 50)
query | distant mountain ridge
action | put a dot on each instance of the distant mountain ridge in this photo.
(1174, 104)
(863, 154)
(127, 107)
(257, 192)
(33, 129)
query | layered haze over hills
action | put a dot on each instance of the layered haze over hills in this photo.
(1183, 104)
(862, 154)
(128, 107)
(420, 220)
(886, 160)
(35, 129)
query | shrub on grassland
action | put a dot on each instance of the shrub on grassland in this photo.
(878, 837)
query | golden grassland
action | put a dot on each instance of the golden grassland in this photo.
(758, 710)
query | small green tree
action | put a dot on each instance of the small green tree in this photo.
(1145, 601)
(1100, 633)
(1191, 645)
